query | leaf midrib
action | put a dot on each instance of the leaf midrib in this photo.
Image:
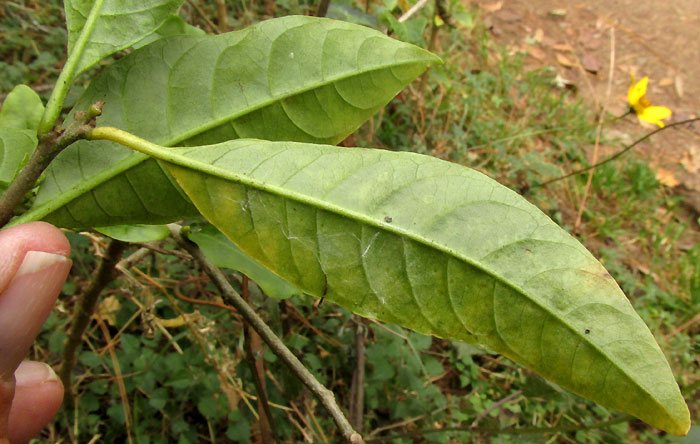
(186, 162)
(214, 123)
(83, 187)
(136, 158)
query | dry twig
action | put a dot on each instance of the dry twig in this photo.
(599, 131)
(104, 274)
(324, 395)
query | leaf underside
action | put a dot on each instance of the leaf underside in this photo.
(440, 249)
(294, 78)
(119, 24)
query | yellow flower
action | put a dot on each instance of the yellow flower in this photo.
(636, 96)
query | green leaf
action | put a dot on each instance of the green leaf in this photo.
(438, 248)
(174, 25)
(294, 78)
(225, 254)
(118, 24)
(22, 109)
(135, 233)
(16, 145)
(410, 31)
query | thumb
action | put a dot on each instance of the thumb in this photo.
(33, 268)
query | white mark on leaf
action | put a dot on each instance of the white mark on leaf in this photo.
(369, 245)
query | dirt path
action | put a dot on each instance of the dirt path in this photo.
(656, 39)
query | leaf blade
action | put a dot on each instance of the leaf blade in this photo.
(512, 281)
(119, 24)
(135, 233)
(239, 101)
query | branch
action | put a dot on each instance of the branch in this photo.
(415, 8)
(495, 406)
(48, 148)
(323, 8)
(358, 378)
(616, 155)
(324, 395)
(65, 79)
(222, 15)
(87, 300)
(507, 431)
(444, 15)
(256, 364)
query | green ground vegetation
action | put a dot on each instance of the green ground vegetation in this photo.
(140, 380)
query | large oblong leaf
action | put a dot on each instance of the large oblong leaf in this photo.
(118, 24)
(438, 248)
(293, 78)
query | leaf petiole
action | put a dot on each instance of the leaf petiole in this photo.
(65, 79)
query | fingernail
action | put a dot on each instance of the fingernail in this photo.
(38, 260)
(30, 373)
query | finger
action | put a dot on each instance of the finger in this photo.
(38, 396)
(34, 236)
(33, 268)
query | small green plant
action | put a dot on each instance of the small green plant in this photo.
(398, 237)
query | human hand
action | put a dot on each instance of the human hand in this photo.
(34, 265)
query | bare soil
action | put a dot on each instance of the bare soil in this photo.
(660, 40)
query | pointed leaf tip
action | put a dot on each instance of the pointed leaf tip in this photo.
(438, 248)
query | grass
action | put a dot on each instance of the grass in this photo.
(481, 109)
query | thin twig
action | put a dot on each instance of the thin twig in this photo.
(493, 407)
(156, 248)
(444, 14)
(415, 8)
(324, 395)
(323, 8)
(404, 422)
(219, 305)
(252, 344)
(128, 262)
(119, 377)
(683, 326)
(616, 155)
(49, 147)
(207, 21)
(598, 133)
(507, 431)
(311, 431)
(358, 378)
(293, 311)
(104, 274)
(222, 15)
